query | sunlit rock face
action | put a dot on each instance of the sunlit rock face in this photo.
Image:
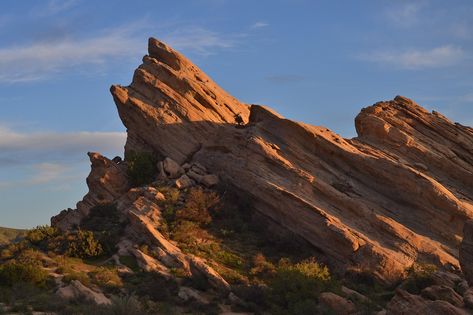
(398, 193)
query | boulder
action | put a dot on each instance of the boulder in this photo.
(172, 169)
(209, 180)
(468, 298)
(187, 294)
(184, 182)
(107, 181)
(405, 303)
(466, 252)
(76, 290)
(336, 303)
(442, 293)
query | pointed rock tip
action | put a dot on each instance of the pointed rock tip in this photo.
(163, 53)
(403, 100)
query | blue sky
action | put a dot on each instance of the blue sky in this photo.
(315, 61)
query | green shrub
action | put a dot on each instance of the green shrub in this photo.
(14, 272)
(262, 268)
(106, 223)
(41, 233)
(84, 245)
(141, 167)
(295, 286)
(419, 277)
(199, 206)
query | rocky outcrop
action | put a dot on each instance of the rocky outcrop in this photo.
(398, 193)
(107, 181)
(406, 303)
(466, 252)
(76, 290)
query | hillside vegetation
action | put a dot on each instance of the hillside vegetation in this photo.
(7, 235)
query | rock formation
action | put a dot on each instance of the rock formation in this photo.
(398, 193)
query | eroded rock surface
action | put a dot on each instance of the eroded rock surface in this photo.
(398, 193)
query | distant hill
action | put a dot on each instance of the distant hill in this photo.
(7, 235)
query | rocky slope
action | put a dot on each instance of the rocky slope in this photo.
(398, 194)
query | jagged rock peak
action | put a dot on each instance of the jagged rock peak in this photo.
(168, 89)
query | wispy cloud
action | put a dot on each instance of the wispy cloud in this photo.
(39, 60)
(199, 40)
(42, 60)
(405, 14)
(442, 56)
(47, 172)
(53, 7)
(17, 147)
(259, 24)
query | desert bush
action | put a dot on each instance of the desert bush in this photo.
(141, 167)
(261, 267)
(106, 277)
(419, 277)
(295, 286)
(106, 223)
(199, 206)
(83, 245)
(41, 233)
(13, 272)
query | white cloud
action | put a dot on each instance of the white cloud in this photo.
(54, 7)
(198, 40)
(47, 172)
(39, 60)
(259, 24)
(17, 147)
(442, 56)
(405, 14)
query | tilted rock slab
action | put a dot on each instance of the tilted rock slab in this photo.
(398, 193)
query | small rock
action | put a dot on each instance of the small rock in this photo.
(235, 300)
(76, 290)
(443, 293)
(195, 176)
(199, 168)
(183, 182)
(354, 295)
(209, 180)
(186, 294)
(161, 173)
(462, 287)
(336, 303)
(468, 298)
(186, 166)
(172, 169)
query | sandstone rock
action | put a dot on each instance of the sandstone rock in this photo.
(150, 264)
(468, 298)
(209, 180)
(367, 198)
(76, 290)
(405, 303)
(354, 295)
(193, 175)
(198, 266)
(466, 252)
(336, 303)
(172, 169)
(438, 292)
(443, 278)
(107, 181)
(161, 173)
(186, 294)
(183, 182)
